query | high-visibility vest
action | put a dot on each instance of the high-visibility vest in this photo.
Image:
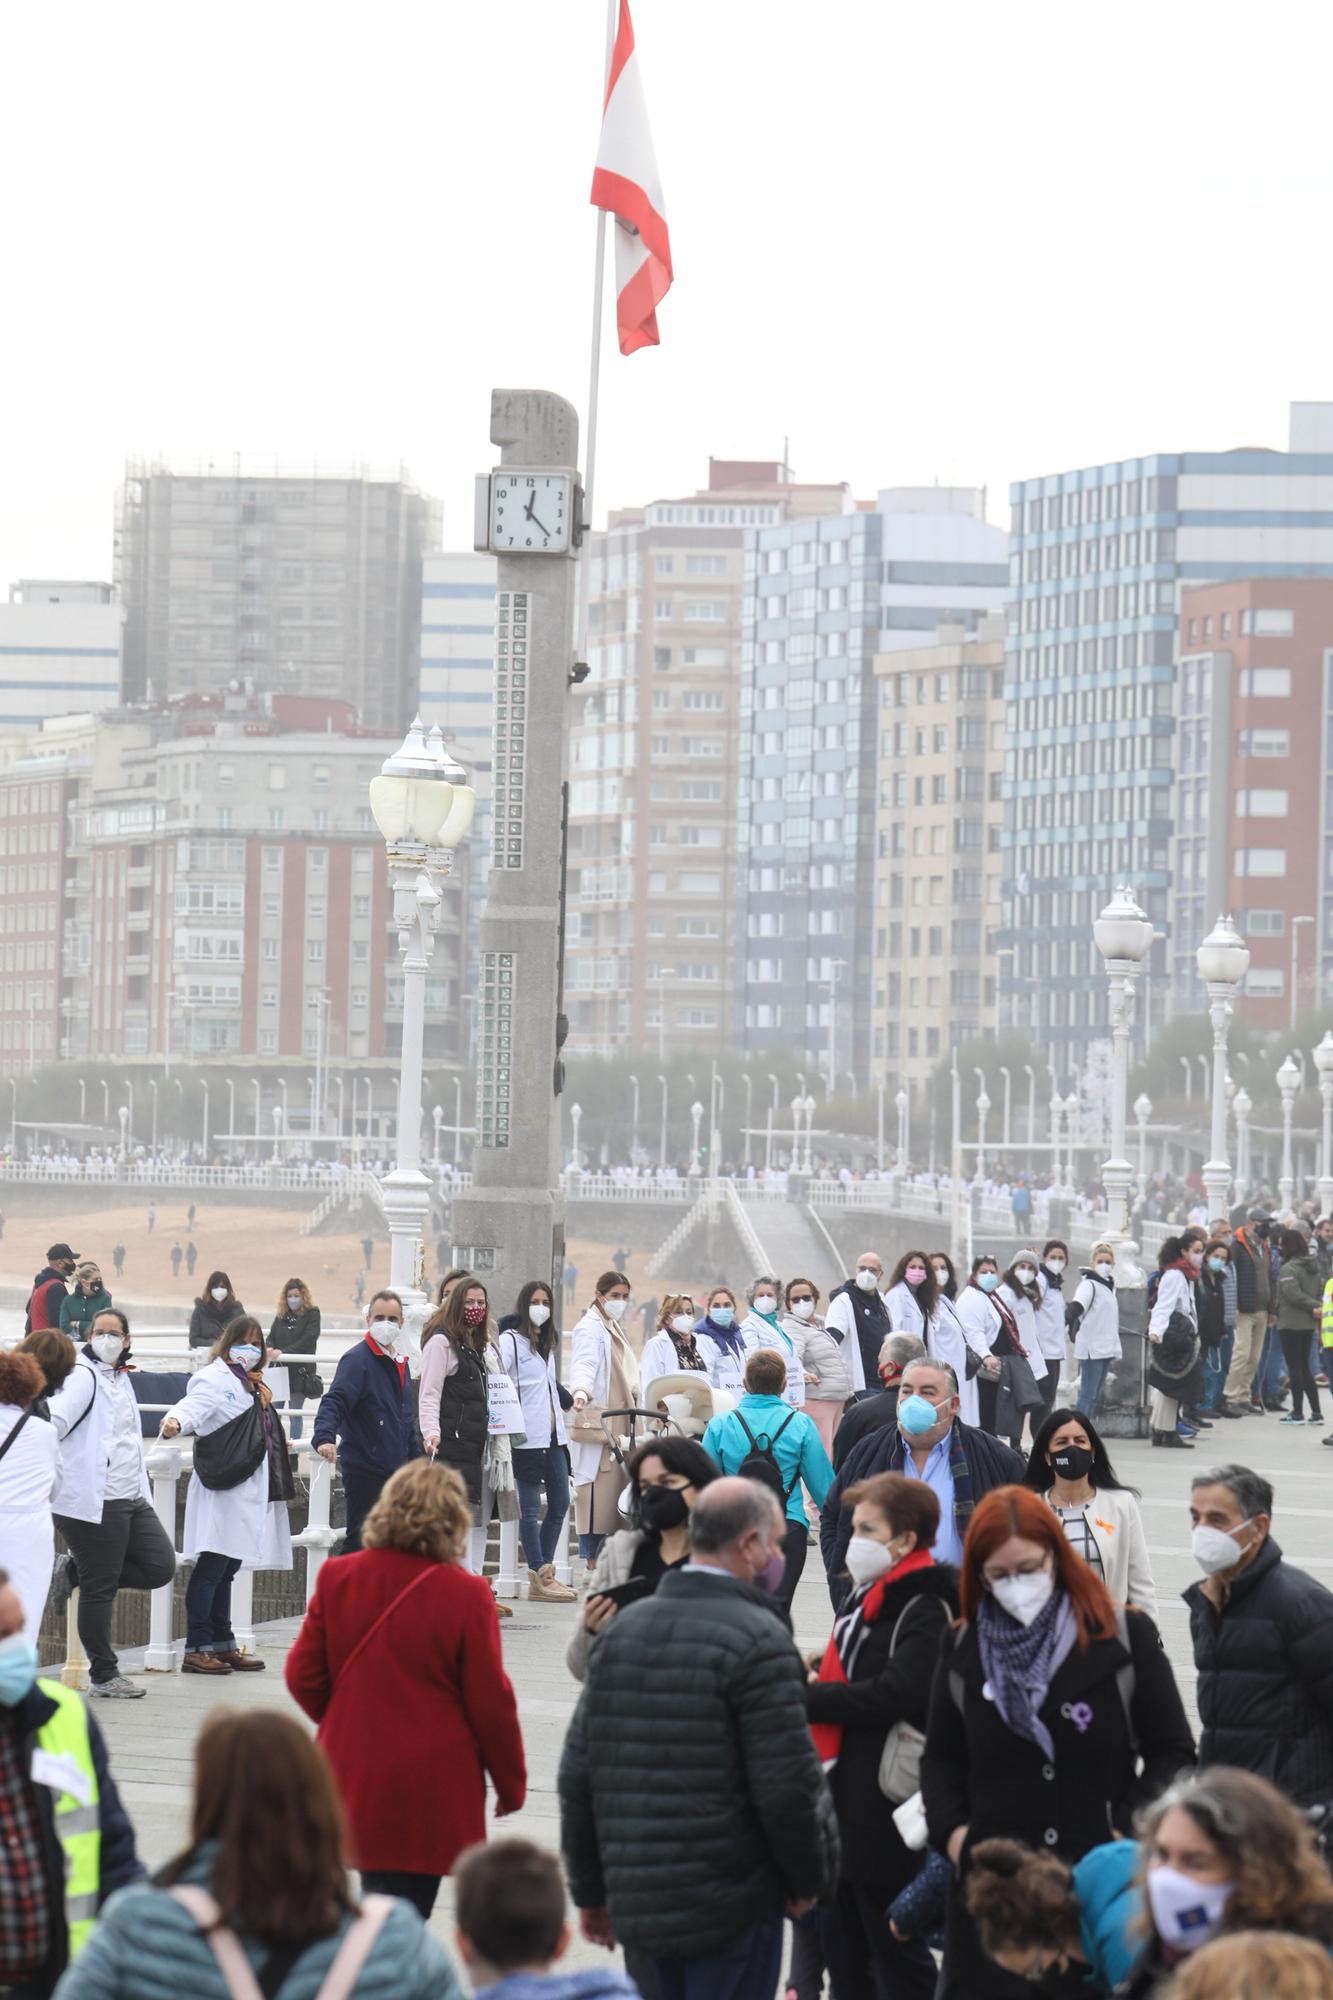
(1326, 1317)
(78, 1822)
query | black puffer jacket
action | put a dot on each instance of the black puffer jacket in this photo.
(1265, 1666)
(691, 1798)
(465, 1420)
(298, 1334)
(209, 1320)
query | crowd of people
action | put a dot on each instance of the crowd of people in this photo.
(984, 1783)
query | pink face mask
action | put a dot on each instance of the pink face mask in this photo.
(915, 1276)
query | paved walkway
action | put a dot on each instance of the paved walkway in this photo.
(151, 1741)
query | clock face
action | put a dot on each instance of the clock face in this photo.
(530, 512)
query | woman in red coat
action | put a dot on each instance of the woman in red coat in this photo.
(399, 1663)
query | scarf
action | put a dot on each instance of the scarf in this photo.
(1007, 1321)
(850, 1629)
(728, 1338)
(687, 1352)
(1021, 1661)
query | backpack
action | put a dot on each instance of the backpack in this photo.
(760, 1462)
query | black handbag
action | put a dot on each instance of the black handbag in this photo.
(227, 1457)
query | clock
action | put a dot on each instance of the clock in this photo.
(531, 513)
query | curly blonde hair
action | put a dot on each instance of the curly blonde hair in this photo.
(423, 1510)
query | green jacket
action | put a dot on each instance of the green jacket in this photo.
(78, 1310)
(1300, 1295)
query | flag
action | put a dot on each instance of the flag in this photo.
(626, 185)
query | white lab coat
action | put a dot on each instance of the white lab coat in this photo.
(1025, 1318)
(947, 1341)
(82, 1414)
(1051, 1320)
(29, 1476)
(725, 1369)
(242, 1522)
(660, 1358)
(538, 1393)
(905, 1314)
(1098, 1335)
(756, 1331)
(590, 1370)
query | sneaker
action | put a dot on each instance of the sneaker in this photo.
(1316, 1420)
(1327, 1440)
(1257, 1406)
(117, 1689)
(1291, 1418)
(64, 1583)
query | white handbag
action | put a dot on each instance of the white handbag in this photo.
(900, 1759)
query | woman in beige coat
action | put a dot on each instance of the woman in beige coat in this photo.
(1101, 1520)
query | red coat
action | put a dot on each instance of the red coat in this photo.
(424, 1714)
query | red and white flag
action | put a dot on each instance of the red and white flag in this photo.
(626, 185)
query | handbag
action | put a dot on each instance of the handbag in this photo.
(585, 1425)
(900, 1759)
(228, 1456)
(1178, 1347)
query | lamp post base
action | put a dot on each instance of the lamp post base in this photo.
(1217, 1185)
(406, 1206)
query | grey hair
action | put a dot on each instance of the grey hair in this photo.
(901, 1348)
(727, 1510)
(1251, 1492)
(940, 1367)
(763, 1279)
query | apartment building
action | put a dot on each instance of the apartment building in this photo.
(59, 651)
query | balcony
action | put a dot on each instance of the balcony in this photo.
(140, 877)
(138, 920)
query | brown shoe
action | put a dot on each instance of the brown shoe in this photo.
(242, 1663)
(204, 1663)
(543, 1587)
(502, 1610)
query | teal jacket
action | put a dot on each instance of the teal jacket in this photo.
(1110, 1902)
(146, 1947)
(799, 1451)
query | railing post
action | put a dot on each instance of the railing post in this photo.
(74, 1673)
(317, 1537)
(243, 1610)
(506, 1582)
(164, 1469)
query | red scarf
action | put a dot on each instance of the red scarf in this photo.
(828, 1735)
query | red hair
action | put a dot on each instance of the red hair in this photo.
(1017, 1510)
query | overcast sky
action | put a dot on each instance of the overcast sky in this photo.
(971, 242)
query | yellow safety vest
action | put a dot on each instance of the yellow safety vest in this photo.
(1326, 1317)
(78, 1822)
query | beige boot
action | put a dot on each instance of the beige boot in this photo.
(543, 1588)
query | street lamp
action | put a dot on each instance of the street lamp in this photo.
(809, 1134)
(1142, 1113)
(1242, 1105)
(106, 1101)
(1189, 1077)
(768, 1138)
(696, 1116)
(749, 1118)
(575, 1114)
(661, 1151)
(1288, 1082)
(1004, 1122)
(436, 1119)
(902, 1104)
(423, 806)
(1071, 1112)
(124, 1115)
(634, 1123)
(1323, 1062)
(83, 1102)
(1032, 1107)
(716, 1105)
(1123, 935)
(277, 1135)
(1223, 960)
(983, 1106)
(152, 1085)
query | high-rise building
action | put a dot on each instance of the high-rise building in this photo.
(303, 583)
(59, 651)
(655, 751)
(823, 598)
(1254, 774)
(937, 848)
(1098, 560)
(457, 691)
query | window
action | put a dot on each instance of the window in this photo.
(664, 565)
(705, 656)
(698, 699)
(269, 997)
(1268, 623)
(268, 948)
(1263, 982)
(226, 817)
(706, 565)
(698, 882)
(277, 817)
(360, 906)
(1261, 805)
(318, 860)
(1271, 681)
(1263, 742)
(1269, 861)
(272, 857)
(1263, 923)
(314, 950)
(705, 611)
(277, 777)
(226, 774)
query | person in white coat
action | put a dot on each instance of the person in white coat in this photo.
(946, 1336)
(603, 1375)
(528, 1341)
(673, 1349)
(1093, 1318)
(239, 1527)
(1051, 1336)
(762, 1327)
(989, 1331)
(103, 1505)
(1019, 1295)
(1179, 1263)
(722, 1344)
(1100, 1515)
(911, 1294)
(29, 1475)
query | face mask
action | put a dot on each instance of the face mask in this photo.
(662, 1508)
(988, 1280)
(916, 1415)
(941, 1275)
(721, 1315)
(295, 1303)
(1024, 1273)
(108, 1347)
(1072, 1461)
(916, 1276)
(615, 1308)
(1194, 1257)
(1024, 1597)
(771, 1575)
(1104, 1270)
(1055, 1265)
(385, 1331)
(866, 1281)
(219, 1292)
(246, 1355)
(868, 1560)
(1186, 1913)
(765, 1306)
(804, 1308)
(539, 1314)
(1214, 1549)
(1217, 1263)
(681, 1323)
(473, 1315)
(18, 1668)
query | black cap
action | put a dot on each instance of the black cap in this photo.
(1259, 1215)
(60, 1252)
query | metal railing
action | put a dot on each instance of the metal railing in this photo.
(580, 1186)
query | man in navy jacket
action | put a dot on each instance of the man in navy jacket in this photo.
(365, 1417)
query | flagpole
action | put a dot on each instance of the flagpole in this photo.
(594, 373)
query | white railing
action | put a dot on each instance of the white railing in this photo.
(355, 1186)
(759, 1258)
(580, 1186)
(159, 1174)
(698, 1212)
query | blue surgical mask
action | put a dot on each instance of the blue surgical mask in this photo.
(988, 1280)
(916, 1415)
(721, 1315)
(246, 1356)
(18, 1668)
(1217, 1263)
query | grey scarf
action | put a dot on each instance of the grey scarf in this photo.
(1021, 1661)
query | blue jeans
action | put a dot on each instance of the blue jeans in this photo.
(208, 1604)
(1216, 1366)
(745, 1969)
(1091, 1382)
(1272, 1367)
(590, 1547)
(535, 1468)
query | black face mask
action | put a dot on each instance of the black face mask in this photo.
(1072, 1461)
(662, 1508)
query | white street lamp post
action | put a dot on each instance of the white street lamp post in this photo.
(983, 1106)
(204, 1087)
(748, 1081)
(809, 1134)
(634, 1122)
(1189, 1078)
(436, 1119)
(124, 1115)
(1123, 936)
(1223, 960)
(1004, 1121)
(1242, 1106)
(1288, 1082)
(1323, 1062)
(1142, 1113)
(716, 1103)
(152, 1085)
(277, 1135)
(879, 1122)
(576, 1157)
(903, 1105)
(1032, 1108)
(696, 1119)
(342, 1099)
(768, 1136)
(662, 1144)
(83, 1102)
(423, 807)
